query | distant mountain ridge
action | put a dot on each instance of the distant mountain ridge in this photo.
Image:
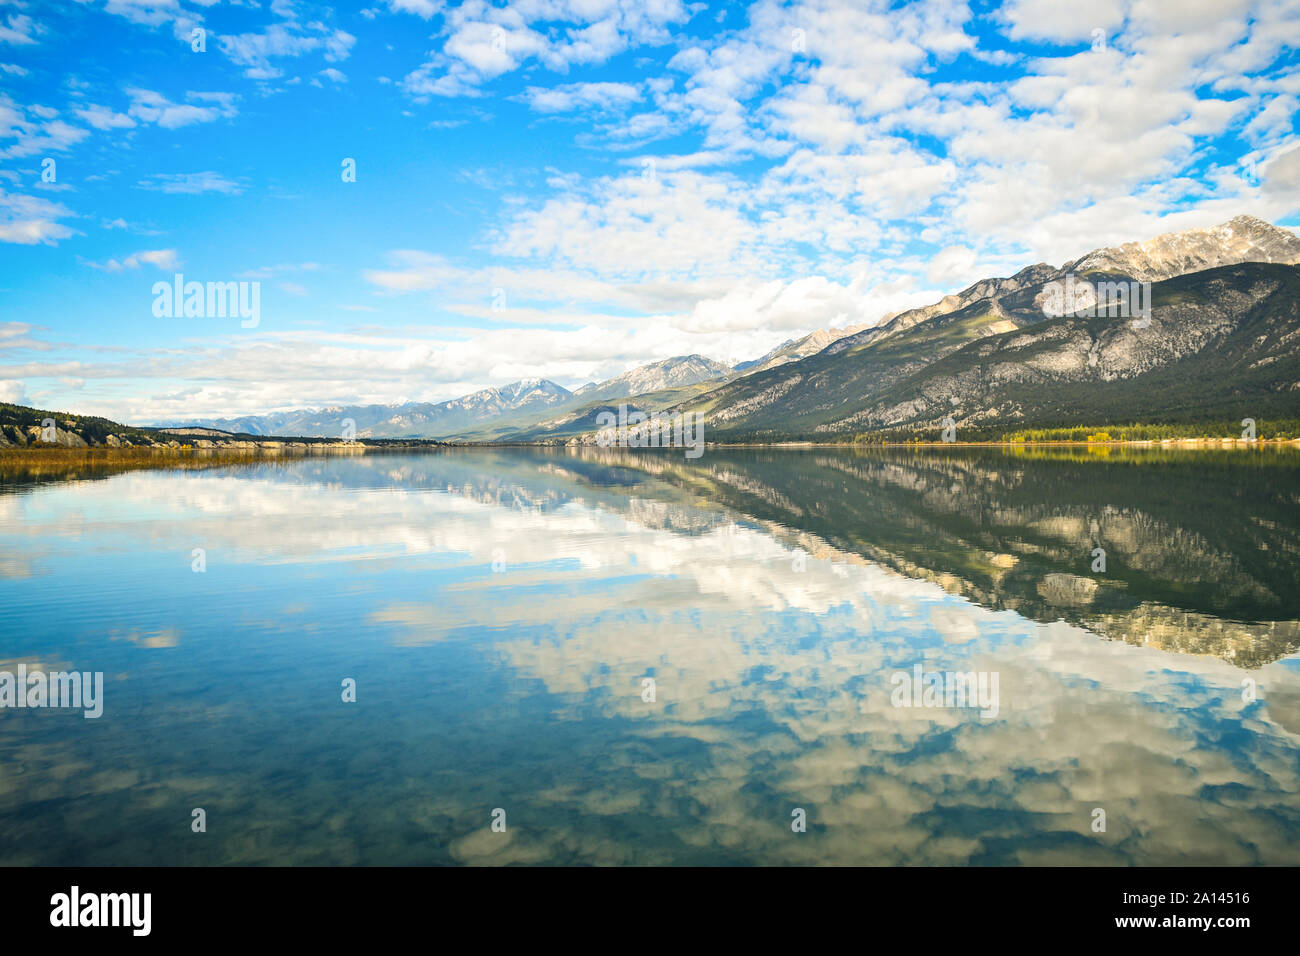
(430, 420)
(469, 412)
(400, 420)
(673, 372)
(316, 422)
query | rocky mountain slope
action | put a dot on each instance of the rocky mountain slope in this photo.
(1221, 344)
(1220, 341)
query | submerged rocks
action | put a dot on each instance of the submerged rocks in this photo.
(1067, 590)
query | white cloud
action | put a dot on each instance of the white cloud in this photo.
(28, 220)
(421, 8)
(1061, 21)
(165, 259)
(192, 183)
(672, 223)
(951, 266)
(41, 134)
(149, 13)
(103, 118)
(808, 184)
(19, 29)
(255, 51)
(483, 41)
(13, 392)
(151, 107)
(581, 96)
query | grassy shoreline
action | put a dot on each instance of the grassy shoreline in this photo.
(26, 466)
(186, 453)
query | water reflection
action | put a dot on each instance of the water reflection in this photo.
(499, 610)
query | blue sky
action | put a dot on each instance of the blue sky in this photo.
(569, 188)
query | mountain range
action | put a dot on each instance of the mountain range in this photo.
(403, 419)
(510, 410)
(462, 417)
(1218, 340)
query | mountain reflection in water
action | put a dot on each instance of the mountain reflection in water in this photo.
(500, 610)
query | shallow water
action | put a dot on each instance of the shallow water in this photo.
(499, 611)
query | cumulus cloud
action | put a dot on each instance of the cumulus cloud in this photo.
(1060, 21)
(15, 393)
(28, 220)
(583, 96)
(481, 41)
(810, 164)
(151, 107)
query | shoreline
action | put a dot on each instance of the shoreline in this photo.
(288, 448)
(999, 443)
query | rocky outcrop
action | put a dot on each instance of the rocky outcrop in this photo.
(65, 437)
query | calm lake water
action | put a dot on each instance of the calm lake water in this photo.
(500, 612)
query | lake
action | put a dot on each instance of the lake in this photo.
(601, 656)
